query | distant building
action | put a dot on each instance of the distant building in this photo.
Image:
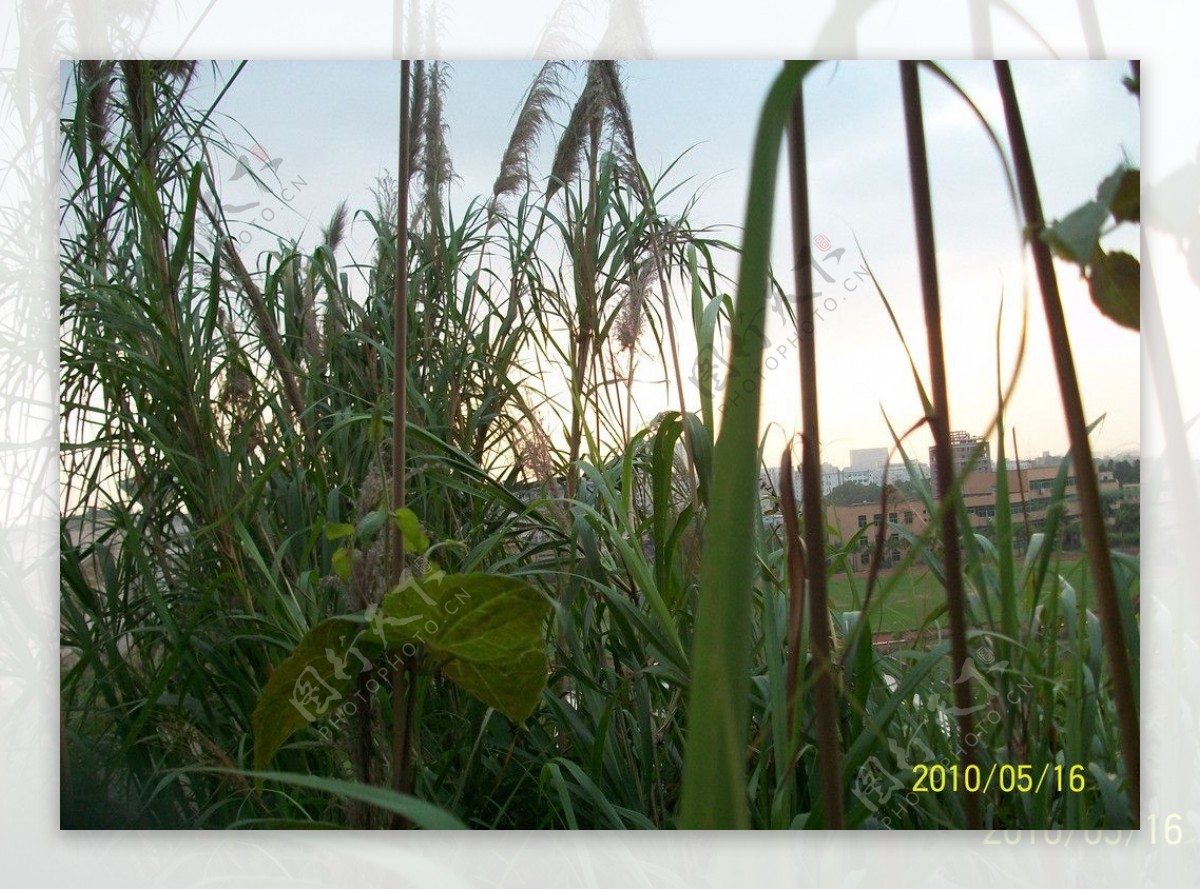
(963, 447)
(848, 520)
(893, 472)
(899, 472)
(868, 458)
(1030, 496)
(831, 478)
(869, 476)
(770, 488)
(1046, 460)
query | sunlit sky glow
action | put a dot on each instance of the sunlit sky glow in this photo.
(333, 125)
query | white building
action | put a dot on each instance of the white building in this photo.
(868, 458)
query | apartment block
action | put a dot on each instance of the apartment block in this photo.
(1030, 498)
(963, 446)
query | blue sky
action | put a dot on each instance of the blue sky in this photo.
(333, 124)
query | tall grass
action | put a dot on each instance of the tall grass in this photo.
(223, 417)
(1112, 621)
(939, 419)
(825, 693)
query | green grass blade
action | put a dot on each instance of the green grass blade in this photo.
(714, 786)
(420, 813)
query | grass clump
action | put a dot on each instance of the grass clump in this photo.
(265, 458)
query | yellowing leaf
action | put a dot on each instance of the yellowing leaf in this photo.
(376, 428)
(415, 539)
(486, 632)
(312, 683)
(335, 531)
(343, 562)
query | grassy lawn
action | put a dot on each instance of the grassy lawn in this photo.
(919, 593)
(904, 609)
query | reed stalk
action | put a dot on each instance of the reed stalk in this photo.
(939, 424)
(1088, 485)
(829, 757)
(403, 691)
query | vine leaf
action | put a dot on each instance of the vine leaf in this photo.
(1076, 237)
(335, 531)
(343, 562)
(1127, 200)
(415, 539)
(484, 631)
(1115, 282)
(311, 683)
(1113, 277)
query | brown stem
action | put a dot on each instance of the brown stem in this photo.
(1088, 486)
(795, 576)
(1021, 488)
(404, 700)
(940, 423)
(402, 676)
(829, 757)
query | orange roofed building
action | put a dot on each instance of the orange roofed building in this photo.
(1029, 500)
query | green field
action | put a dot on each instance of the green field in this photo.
(919, 593)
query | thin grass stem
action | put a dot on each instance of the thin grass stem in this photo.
(1088, 486)
(940, 423)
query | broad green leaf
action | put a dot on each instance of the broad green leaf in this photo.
(513, 686)
(1076, 236)
(485, 631)
(311, 683)
(1127, 201)
(1115, 282)
(415, 539)
(714, 765)
(335, 531)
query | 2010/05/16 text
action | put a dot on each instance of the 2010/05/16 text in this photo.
(1007, 777)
